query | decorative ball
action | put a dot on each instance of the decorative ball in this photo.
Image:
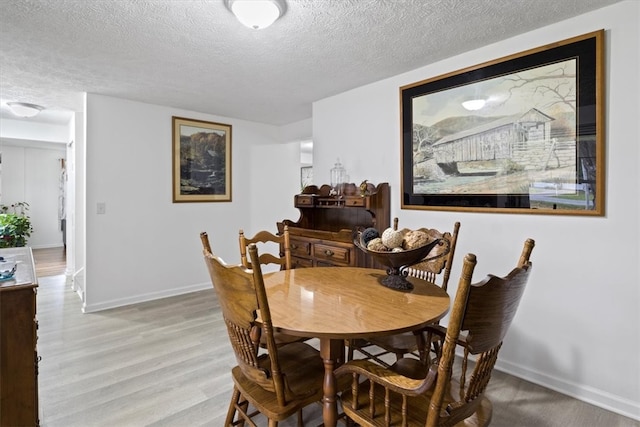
(368, 235)
(377, 245)
(397, 249)
(392, 238)
(415, 239)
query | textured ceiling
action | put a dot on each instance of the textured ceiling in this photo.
(193, 54)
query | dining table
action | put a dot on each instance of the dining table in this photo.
(335, 304)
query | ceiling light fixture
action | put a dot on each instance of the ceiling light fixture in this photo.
(24, 109)
(474, 104)
(257, 14)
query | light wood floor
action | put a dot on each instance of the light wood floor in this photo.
(50, 261)
(167, 363)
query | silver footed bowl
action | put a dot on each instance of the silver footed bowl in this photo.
(395, 261)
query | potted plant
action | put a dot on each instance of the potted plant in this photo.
(15, 225)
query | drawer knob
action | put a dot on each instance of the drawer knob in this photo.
(293, 246)
(328, 252)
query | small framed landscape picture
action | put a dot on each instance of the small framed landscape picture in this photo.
(201, 161)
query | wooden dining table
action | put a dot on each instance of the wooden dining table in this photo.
(339, 303)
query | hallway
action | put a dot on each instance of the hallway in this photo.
(50, 261)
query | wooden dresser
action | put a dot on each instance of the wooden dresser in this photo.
(323, 236)
(18, 336)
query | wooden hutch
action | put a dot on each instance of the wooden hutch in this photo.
(18, 332)
(323, 236)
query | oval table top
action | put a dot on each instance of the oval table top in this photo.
(349, 302)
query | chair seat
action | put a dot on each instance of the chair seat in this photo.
(304, 372)
(403, 343)
(417, 407)
(378, 347)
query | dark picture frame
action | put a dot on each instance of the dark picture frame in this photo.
(534, 143)
(201, 161)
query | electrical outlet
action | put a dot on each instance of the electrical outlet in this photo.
(102, 208)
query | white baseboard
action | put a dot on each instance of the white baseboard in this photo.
(597, 397)
(92, 308)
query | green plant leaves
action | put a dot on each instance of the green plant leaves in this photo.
(15, 225)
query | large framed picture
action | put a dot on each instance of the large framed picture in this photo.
(519, 134)
(201, 161)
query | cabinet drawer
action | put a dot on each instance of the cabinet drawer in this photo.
(300, 247)
(301, 262)
(333, 254)
(355, 201)
(303, 200)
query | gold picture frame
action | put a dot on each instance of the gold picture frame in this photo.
(201, 161)
(534, 143)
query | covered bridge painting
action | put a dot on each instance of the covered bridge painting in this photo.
(520, 142)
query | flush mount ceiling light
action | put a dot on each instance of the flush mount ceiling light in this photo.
(474, 104)
(24, 109)
(256, 14)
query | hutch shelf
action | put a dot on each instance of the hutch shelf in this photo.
(323, 235)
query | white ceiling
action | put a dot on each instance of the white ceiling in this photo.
(194, 55)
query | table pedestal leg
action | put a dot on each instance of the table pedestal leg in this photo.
(332, 353)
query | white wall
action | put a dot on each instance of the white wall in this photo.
(272, 190)
(147, 247)
(80, 229)
(33, 131)
(296, 131)
(30, 173)
(577, 329)
(76, 242)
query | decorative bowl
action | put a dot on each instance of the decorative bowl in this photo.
(395, 261)
(7, 268)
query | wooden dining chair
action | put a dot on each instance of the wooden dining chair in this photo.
(278, 383)
(435, 268)
(407, 394)
(280, 338)
(263, 239)
(436, 333)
